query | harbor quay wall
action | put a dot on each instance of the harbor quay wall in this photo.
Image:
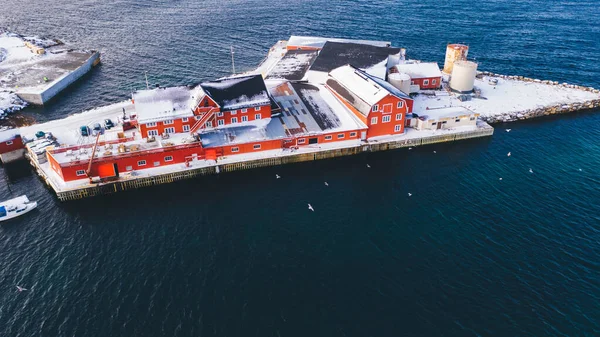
(40, 98)
(140, 182)
(544, 111)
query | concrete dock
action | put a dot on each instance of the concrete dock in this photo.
(38, 69)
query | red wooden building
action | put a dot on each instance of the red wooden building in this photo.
(10, 140)
(426, 75)
(375, 102)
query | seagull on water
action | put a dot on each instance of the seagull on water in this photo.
(580, 170)
(508, 130)
(530, 170)
(21, 289)
(277, 176)
(410, 148)
(326, 184)
(508, 155)
(500, 179)
(409, 194)
(434, 152)
(311, 208)
(369, 166)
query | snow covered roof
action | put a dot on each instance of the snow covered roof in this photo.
(238, 92)
(310, 109)
(420, 70)
(293, 65)
(450, 112)
(7, 134)
(319, 42)
(370, 58)
(265, 129)
(164, 103)
(359, 88)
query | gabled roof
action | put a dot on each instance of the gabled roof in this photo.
(164, 103)
(335, 54)
(420, 70)
(360, 89)
(238, 92)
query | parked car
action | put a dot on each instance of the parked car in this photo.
(108, 124)
(85, 130)
(96, 129)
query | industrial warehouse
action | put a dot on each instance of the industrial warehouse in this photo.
(311, 98)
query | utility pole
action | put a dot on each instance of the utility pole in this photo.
(146, 74)
(232, 61)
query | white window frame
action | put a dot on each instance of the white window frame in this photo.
(233, 120)
(220, 114)
(170, 130)
(301, 140)
(186, 128)
(235, 149)
(152, 133)
(168, 158)
(244, 110)
(141, 163)
(399, 116)
(151, 124)
(425, 82)
(128, 168)
(256, 146)
(244, 118)
(328, 137)
(397, 127)
(386, 119)
(257, 108)
(185, 119)
(373, 120)
(375, 108)
(352, 134)
(10, 142)
(197, 118)
(433, 82)
(168, 122)
(156, 163)
(221, 122)
(80, 173)
(341, 135)
(400, 104)
(208, 124)
(258, 116)
(233, 112)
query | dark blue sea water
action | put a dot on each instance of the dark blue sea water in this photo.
(240, 255)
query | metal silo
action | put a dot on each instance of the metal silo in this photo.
(463, 76)
(454, 52)
(400, 81)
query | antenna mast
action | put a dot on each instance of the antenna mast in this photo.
(232, 61)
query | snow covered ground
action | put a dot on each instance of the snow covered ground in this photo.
(10, 102)
(508, 96)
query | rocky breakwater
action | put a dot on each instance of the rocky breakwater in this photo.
(546, 110)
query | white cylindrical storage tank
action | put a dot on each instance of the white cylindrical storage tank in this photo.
(454, 52)
(463, 76)
(400, 81)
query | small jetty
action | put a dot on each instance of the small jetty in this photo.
(311, 98)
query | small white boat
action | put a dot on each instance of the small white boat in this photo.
(15, 207)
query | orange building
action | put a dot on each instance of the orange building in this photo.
(375, 102)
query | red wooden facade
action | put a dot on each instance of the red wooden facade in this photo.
(428, 83)
(12, 144)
